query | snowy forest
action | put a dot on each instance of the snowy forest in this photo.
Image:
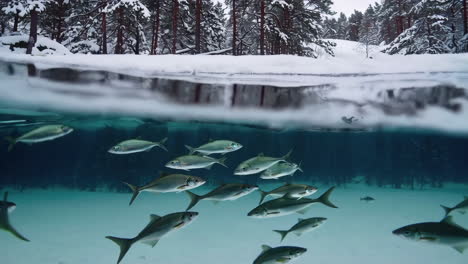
(237, 27)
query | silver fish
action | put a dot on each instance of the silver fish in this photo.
(136, 145)
(258, 164)
(293, 190)
(5, 208)
(279, 170)
(189, 162)
(302, 226)
(216, 147)
(461, 207)
(445, 232)
(279, 255)
(225, 192)
(287, 205)
(41, 134)
(167, 183)
(157, 228)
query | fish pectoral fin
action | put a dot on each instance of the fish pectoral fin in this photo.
(182, 187)
(283, 260)
(461, 248)
(151, 243)
(428, 238)
(209, 167)
(303, 211)
(179, 225)
(298, 234)
(272, 213)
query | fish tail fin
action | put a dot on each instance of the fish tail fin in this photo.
(325, 198)
(194, 199)
(286, 157)
(161, 143)
(283, 233)
(299, 167)
(446, 209)
(222, 161)
(190, 149)
(11, 141)
(263, 194)
(135, 191)
(123, 243)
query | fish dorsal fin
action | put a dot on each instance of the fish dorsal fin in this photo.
(449, 220)
(261, 154)
(265, 248)
(154, 217)
(300, 219)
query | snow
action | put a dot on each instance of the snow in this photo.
(349, 60)
(67, 226)
(51, 46)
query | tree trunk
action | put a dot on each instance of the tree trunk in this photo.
(32, 31)
(175, 17)
(16, 22)
(198, 9)
(104, 30)
(234, 28)
(154, 44)
(137, 34)
(119, 44)
(465, 17)
(262, 27)
(60, 21)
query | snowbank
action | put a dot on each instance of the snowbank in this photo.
(17, 44)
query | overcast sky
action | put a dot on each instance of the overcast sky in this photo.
(348, 6)
(345, 6)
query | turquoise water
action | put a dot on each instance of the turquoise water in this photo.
(409, 153)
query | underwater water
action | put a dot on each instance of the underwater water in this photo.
(405, 147)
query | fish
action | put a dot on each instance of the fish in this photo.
(225, 192)
(157, 228)
(302, 226)
(7, 207)
(367, 199)
(293, 190)
(280, 169)
(189, 162)
(445, 232)
(279, 255)
(287, 205)
(258, 164)
(41, 134)
(136, 145)
(215, 147)
(167, 183)
(461, 207)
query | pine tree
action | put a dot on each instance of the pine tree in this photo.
(430, 32)
(368, 31)
(355, 21)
